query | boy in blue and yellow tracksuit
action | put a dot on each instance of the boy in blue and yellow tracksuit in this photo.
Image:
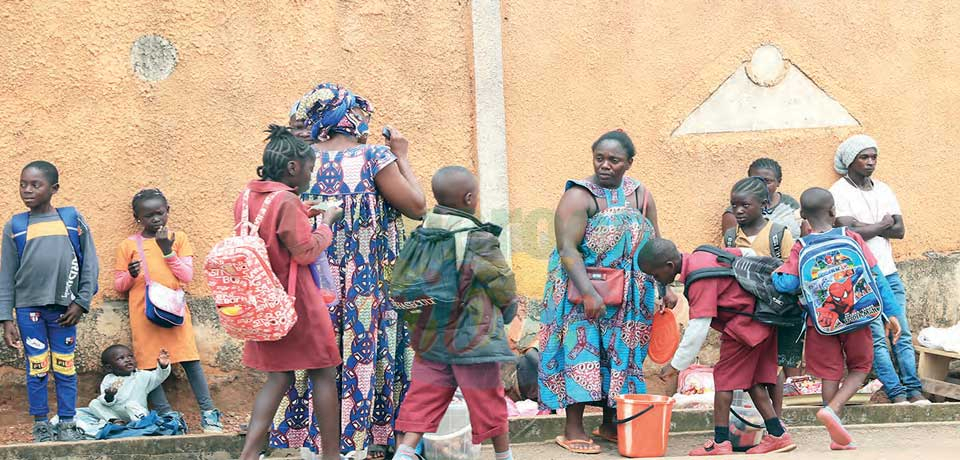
(48, 276)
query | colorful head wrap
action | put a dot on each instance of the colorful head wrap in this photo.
(328, 109)
(849, 149)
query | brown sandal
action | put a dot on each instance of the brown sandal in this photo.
(569, 445)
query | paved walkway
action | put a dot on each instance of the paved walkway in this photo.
(927, 441)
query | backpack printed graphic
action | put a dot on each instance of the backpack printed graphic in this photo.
(251, 302)
(839, 290)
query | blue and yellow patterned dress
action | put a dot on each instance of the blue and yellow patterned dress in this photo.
(584, 361)
(375, 346)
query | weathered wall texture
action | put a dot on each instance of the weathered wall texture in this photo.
(572, 70)
(576, 69)
(70, 96)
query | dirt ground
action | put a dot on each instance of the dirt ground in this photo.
(928, 441)
(233, 395)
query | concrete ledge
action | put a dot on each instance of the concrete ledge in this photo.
(545, 428)
(522, 430)
(200, 447)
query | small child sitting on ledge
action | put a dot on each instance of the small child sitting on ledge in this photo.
(123, 392)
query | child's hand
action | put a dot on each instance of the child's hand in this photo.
(667, 373)
(110, 394)
(134, 268)
(893, 329)
(332, 215)
(11, 335)
(72, 316)
(164, 359)
(165, 239)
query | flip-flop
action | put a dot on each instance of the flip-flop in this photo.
(596, 433)
(568, 444)
(838, 433)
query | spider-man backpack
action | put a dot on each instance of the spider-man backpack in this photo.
(839, 290)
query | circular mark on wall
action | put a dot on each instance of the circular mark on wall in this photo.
(153, 57)
(767, 66)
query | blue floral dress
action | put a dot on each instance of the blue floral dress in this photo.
(375, 346)
(584, 361)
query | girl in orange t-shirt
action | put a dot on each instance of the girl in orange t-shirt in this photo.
(169, 261)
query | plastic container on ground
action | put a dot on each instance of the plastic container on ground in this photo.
(643, 425)
(453, 439)
(742, 435)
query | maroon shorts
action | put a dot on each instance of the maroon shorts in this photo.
(826, 354)
(741, 367)
(433, 386)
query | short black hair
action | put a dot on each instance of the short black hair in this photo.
(282, 147)
(105, 355)
(147, 194)
(619, 136)
(754, 186)
(766, 163)
(48, 169)
(657, 252)
(816, 201)
(449, 184)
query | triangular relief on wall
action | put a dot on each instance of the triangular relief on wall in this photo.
(768, 92)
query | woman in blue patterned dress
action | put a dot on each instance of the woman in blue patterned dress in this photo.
(591, 353)
(376, 184)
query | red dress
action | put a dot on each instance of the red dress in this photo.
(287, 231)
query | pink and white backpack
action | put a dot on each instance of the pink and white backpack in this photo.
(251, 302)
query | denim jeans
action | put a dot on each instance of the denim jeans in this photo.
(157, 399)
(49, 347)
(906, 383)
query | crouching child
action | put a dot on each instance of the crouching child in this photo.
(461, 342)
(748, 348)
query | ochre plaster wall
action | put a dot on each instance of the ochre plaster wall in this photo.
(572, 70)
(575, 69)
(70, 97)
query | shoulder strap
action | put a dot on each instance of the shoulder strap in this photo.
(646, 200)
(703, 273)
(722, 256)
(245, 227)
(18, 226)
(776, 239)
(143, 259)
(71, 220)
(730, 237)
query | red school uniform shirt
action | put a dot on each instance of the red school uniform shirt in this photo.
(707, 296)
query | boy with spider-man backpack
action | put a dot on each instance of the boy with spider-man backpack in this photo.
(843, 292)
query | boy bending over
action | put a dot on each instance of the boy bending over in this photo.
(748, 349)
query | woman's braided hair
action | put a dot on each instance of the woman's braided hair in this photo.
(282, 148)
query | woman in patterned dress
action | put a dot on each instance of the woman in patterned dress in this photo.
(376, 184)
(591, 353)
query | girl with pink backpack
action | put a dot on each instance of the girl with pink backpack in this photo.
(282, 222)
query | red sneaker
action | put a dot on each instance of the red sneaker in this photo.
(712, 448)
(773, 444)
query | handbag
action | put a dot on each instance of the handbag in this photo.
(609, 282)
(165, 307)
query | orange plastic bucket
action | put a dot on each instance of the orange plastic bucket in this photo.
(643, 424)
